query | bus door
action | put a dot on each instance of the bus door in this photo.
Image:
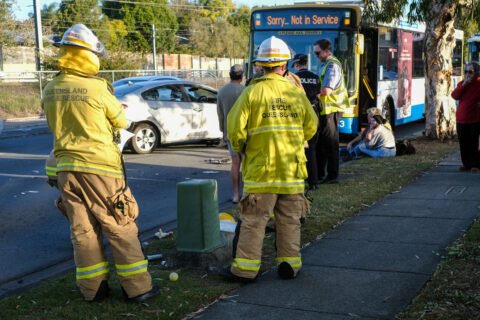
(368, 75)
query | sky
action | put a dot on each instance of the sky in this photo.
(24, 7)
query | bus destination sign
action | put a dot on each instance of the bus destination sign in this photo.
(303, 19)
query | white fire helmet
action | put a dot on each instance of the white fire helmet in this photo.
(272, 52)
(79, 35)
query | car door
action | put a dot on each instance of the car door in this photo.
(204, 107)
(171, 111)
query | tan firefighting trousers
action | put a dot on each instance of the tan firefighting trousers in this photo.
(255, 213)
(94, 205)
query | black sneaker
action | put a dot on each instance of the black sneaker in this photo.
(155, 291)
(329, 181)
(285, 271)
(227, 275)
(103, 292)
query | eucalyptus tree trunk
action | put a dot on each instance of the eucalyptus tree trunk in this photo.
(439, 44)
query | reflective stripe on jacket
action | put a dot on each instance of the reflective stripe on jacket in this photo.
(337, 101)
(273, 118)
(83, 116)
(51, 166)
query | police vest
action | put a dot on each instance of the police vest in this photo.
(337, 101)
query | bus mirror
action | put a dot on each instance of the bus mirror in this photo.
(359, 44)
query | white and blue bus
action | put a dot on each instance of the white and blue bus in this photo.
(383, 64)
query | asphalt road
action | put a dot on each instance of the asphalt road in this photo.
(33, 235)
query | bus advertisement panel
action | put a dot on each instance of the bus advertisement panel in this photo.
(405, 75)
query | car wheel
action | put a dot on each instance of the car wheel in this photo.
(145, 138)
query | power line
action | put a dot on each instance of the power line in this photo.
(158, 5)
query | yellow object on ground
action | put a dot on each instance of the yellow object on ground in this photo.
(226, 217)
(173, 276)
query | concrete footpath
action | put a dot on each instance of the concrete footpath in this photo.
(373, 264)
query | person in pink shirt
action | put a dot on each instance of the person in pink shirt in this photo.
(467, 93)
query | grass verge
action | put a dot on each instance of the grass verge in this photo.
(453, 293)
(363, 183)
(19, 100)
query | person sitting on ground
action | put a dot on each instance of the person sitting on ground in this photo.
(377, 141)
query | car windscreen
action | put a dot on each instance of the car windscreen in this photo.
(123, 90)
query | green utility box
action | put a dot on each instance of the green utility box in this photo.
(198, 226)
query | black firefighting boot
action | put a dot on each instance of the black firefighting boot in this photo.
(227, 275)
(103, 292)
(155, 291)
(285, 271)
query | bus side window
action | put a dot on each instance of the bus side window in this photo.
(387, 53)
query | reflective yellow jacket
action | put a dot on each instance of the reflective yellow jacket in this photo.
(83, 116)
(337, 101)
(270, 121)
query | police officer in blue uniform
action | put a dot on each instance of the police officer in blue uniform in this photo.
(311, 84)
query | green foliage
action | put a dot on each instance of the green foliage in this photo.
(7, 22)
(216, 9)
(48, 13)
(217, 39)
(241, 19)
(6, 9)
(139, 18)
(222, 32)
(386, 11)
(186, 12)
(87, 12)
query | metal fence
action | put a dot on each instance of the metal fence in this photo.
(214, 78)
(23, 90)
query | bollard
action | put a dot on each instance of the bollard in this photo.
(198, 226)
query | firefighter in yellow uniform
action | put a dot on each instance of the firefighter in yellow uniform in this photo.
(272, 118)
(84, 117)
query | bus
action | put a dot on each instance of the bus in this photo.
(383, 65)
(474, 48)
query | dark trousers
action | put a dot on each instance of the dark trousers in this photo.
(468, 135)
(311, 153)
(328, 145)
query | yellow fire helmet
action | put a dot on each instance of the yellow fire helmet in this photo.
(272, 52)
(80, 36)
(224, 216)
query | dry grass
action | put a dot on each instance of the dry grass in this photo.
(19, 100)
